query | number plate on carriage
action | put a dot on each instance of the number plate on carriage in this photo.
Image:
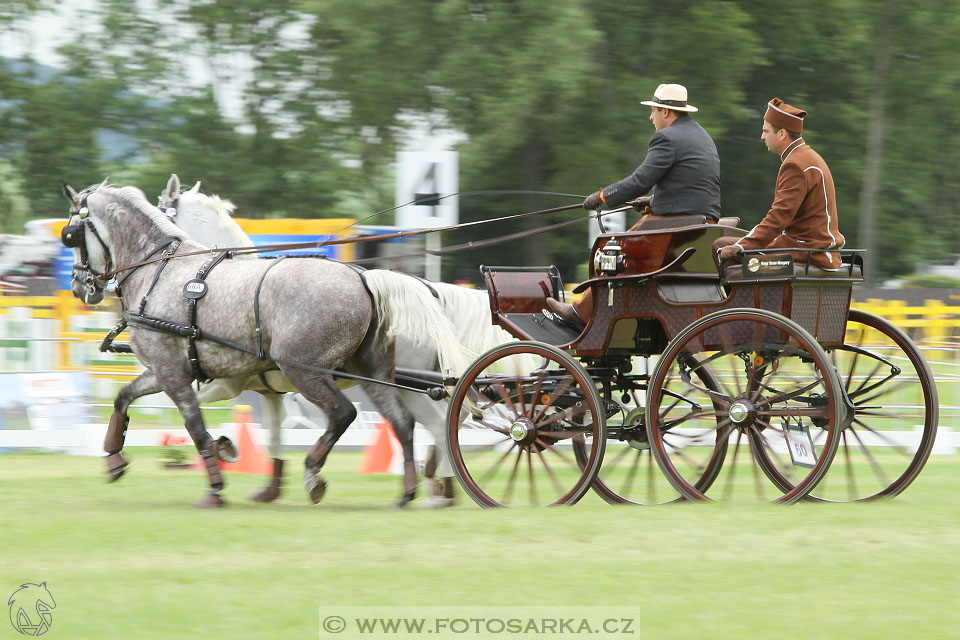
(800, 445)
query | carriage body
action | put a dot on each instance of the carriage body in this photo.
(638, 314)
(679, 363)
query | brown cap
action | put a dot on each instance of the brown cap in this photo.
(783, 116)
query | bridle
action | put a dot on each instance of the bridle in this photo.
(74, 236)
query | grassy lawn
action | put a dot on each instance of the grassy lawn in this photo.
(137, 560)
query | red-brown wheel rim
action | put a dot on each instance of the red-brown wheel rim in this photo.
(771, 373)
(510, 430)
(887, 443)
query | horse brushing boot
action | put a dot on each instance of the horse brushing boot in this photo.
(212, 499)
(113, 444)
(272, 491)
(313, 482)
(409, 483)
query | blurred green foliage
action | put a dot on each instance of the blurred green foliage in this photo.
(297, 107)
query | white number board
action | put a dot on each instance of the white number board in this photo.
(427, 176)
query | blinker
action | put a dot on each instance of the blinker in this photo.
(72, 236)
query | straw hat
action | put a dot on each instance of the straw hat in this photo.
(671, 96)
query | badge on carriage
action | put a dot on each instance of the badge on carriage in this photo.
(195, 288)
(760, 265)
(799, 443)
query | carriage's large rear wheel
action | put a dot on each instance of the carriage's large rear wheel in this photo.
(885, 446)
(777, 391)
(512, 420)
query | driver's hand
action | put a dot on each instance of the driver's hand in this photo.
(593, 201)
(729, 251)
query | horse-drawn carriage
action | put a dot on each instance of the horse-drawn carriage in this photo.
(685, 366)
(678, 365)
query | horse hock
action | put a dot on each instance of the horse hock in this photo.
(113, 444)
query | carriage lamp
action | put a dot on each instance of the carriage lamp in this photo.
(610, 258)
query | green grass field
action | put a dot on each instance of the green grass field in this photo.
(136, 559)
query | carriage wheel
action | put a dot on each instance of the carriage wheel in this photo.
(512, 420)
(630, 473)
(889, 440)
(777, 391)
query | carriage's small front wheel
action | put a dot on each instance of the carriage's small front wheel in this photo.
(775, 401)
(512, 422)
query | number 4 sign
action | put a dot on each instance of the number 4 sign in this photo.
(423, 179)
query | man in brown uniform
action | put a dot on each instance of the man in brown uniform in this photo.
(804, 209)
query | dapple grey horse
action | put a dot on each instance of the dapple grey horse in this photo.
(207, 218)
(339, 320)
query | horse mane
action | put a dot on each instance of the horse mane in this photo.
(204, 210)
(133, 198)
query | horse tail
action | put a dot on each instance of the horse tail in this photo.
(469, 311)
(405, 307)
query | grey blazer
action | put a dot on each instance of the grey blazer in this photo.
(683, 168)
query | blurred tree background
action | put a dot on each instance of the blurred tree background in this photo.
(298, 107)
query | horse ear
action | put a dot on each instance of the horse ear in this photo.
(106, 182)
(196, 188)
(173, 187)
(69, 193)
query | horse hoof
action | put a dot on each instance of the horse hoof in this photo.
(267, 494)
(211, 501)
(406, 499)
(116, 467)
(316, 487)
(437, 502)
(227, 451)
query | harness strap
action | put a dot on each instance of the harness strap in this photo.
(150, 255)
(192, 352)
(151, 323)
(256, 309)
(171, 248)
(120, 347)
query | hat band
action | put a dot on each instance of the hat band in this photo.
(670, 103)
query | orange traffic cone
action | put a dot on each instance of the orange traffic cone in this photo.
(252, 460)
(383, 454)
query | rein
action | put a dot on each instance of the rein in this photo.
(338, 241)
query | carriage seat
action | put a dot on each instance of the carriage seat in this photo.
(652, 223)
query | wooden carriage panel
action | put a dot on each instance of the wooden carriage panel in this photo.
(520, 291)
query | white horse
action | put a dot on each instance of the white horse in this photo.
(207, 218)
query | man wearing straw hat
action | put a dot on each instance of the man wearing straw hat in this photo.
(804, 210)
(681, 166)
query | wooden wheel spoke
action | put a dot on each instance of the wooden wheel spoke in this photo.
(501, 390)
(556, 394)
(533, 484)
(877, 469)
(896, 446)
(492, 470)
(513, 476)
(536, 393)
(550, 473)
(733, 466)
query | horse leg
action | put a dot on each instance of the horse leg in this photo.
(273, 403)
(375, 360)
(189, 406)
(145, 384)
(432, 415)
(320, 390)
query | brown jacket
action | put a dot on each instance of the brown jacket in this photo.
(804, 209)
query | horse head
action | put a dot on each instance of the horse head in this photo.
(90, 260)
(206, 218)
(102, 234)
